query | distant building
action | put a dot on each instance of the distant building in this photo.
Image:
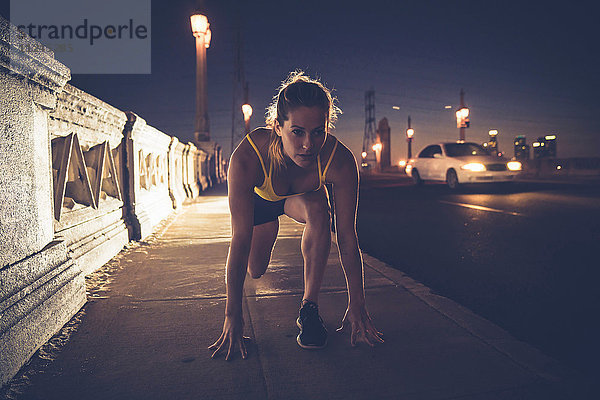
(545, 147)
(521, 148)
(550, 141)
(383, 137)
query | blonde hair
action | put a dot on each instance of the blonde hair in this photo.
(296, 91)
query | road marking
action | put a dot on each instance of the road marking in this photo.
(482, 208)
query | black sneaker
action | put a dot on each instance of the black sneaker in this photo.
(313, 334)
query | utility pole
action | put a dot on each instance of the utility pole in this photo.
(462, 117)
(409, 137)
(368, 153)
(462, 105)
(240, 91)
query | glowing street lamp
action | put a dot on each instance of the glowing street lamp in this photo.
(201, 28)
(202, 33)
(377, 149)
(247, 111)
(462, 118)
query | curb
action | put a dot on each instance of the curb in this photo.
(521, 353)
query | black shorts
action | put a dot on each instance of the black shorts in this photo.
(266, 211)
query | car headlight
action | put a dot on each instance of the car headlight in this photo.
(474, 167)
(513, 165)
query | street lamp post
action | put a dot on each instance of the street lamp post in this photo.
(201, 31)
(247, 111)
(409, 136)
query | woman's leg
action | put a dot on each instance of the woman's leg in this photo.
(263, 239)
(312, 209)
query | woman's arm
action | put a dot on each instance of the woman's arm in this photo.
(345, 195)
(241, 179)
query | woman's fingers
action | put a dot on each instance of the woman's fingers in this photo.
(378, 336)
(341, 328)
(229, 350)
(344, 321)
(215, 344)
(354, 334)
(363, 334)
(231, 343)
(243, 349)
(218, 350)
(364, 331)
(373, 329)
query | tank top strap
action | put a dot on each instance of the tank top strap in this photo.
(328, 161)
(262, 163)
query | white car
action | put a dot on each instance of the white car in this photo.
(460, 162)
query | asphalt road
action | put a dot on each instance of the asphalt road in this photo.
(525, 256)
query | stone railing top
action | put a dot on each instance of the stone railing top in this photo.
(22, 55)
(146, 135)
(192, 147)
(94, 120)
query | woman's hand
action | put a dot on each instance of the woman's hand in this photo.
(232, 336)
(363, 329)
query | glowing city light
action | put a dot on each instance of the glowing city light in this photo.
(247, 111)
(514, 165)
(207, 37)
(474, 167)
(199, 24)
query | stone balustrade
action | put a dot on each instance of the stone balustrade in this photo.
(86, 140)
(79, 179)
(176, 172)
(147, 172)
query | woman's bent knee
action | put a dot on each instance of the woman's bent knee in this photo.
(256, 275)
(257, 269)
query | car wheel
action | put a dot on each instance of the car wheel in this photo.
(452, 179)
(416, 177)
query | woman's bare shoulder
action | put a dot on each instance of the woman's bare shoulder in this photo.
(342, 163)
(261, 136)
(245, 159)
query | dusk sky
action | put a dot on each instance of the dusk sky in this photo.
(527, 68)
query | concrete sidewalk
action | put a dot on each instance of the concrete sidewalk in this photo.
(155, 308)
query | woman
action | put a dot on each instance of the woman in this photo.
(296, 156)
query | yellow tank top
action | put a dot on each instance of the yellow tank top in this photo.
(266, 190)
